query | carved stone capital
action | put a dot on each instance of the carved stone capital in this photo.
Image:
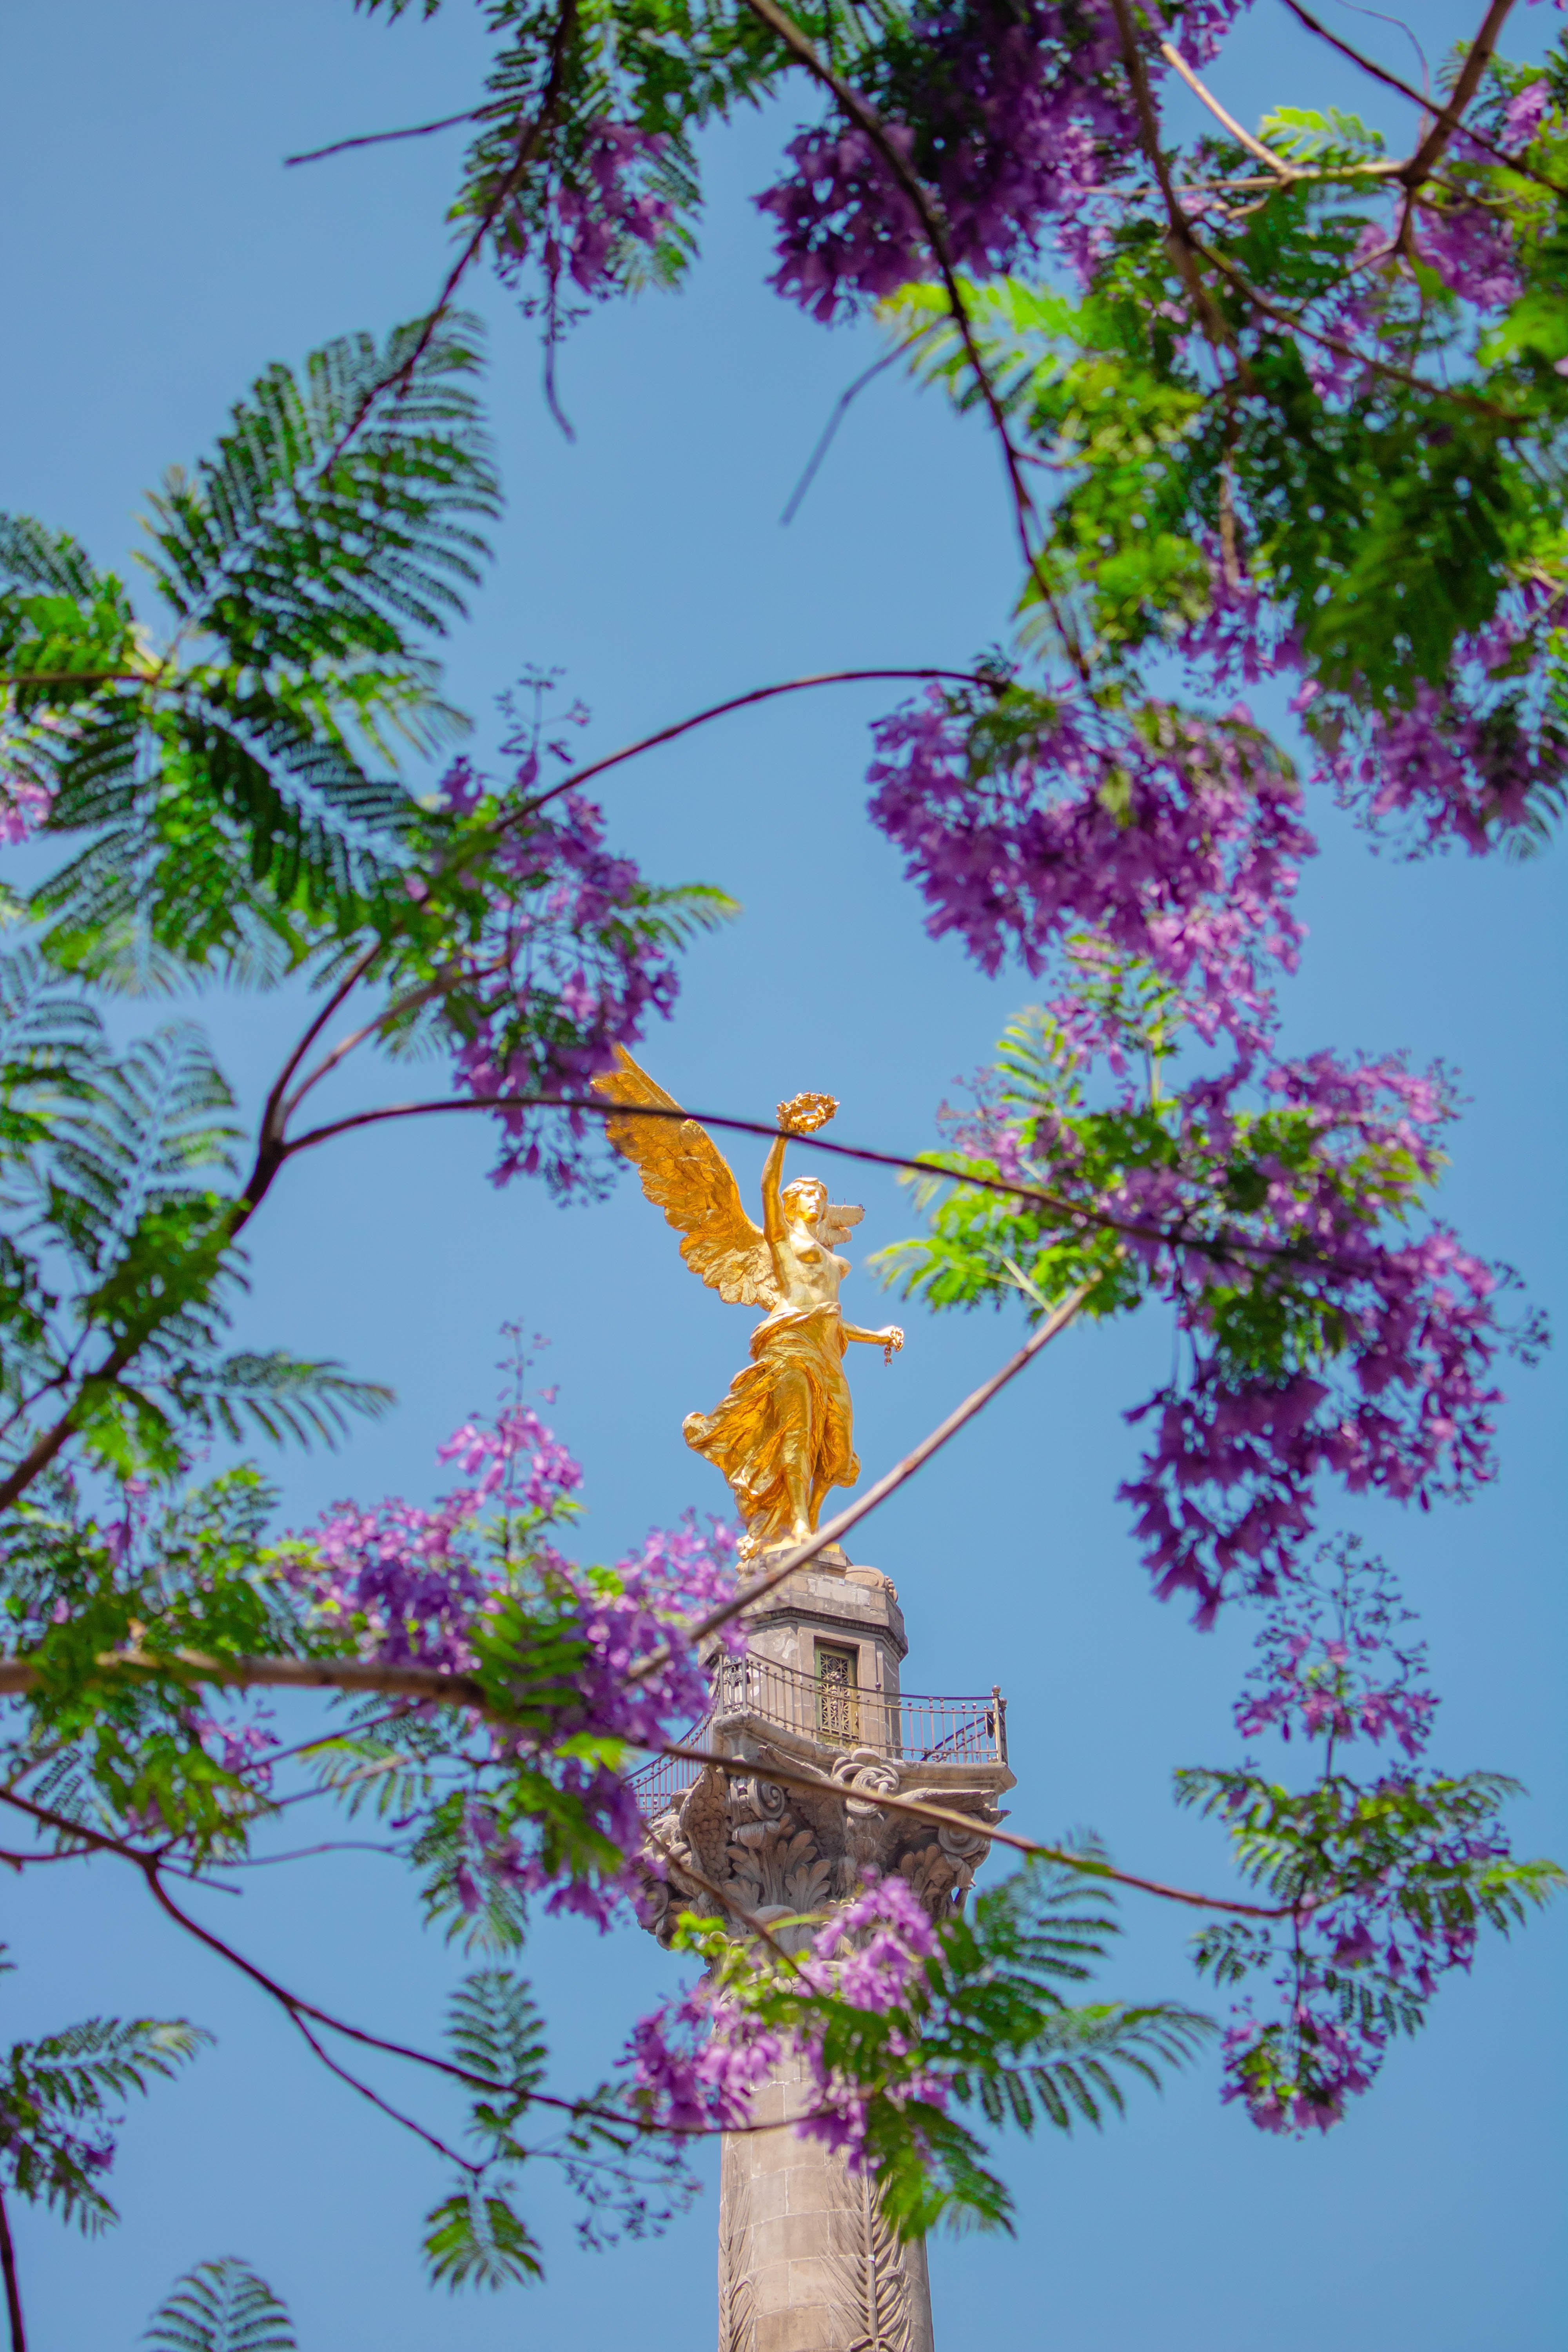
(744, 1843)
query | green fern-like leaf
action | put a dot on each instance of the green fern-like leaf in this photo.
(281, 1395)
(473, 2240)
(496, 2030)
(55, 2094)
(155, 1136)
(33, 557)
(221, 2306)
(230, 786)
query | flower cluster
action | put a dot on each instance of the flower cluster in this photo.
(870, 1955)
(1013, 119)
(588, 218)
(607, 211)
(561, 980)
(1340, 1346)
(24, 805)
(558, 950)
(1272, 1207)
(1466, 758)
(689, 2075)
(1334, 1346)
(1334, 1663)
(409, 1581)
(474, 1585)
(1177, 838)
(1383, 1884)
(698, 2061)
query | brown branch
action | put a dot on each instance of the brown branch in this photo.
(275, 1111)
(76, 676)
(528, 146)
(451, 977)
(345, 2074)
(1179, 240)
(433, 1683)
(1220, 1246)
(1465, 87)
(1445, 117)
(12, 2286)
(1277, 164)
(415, 130)
(422, 1683)
(917, 1809)
(581, 776)
(841, 408)
(866, 118)
(272, 1152)
(150, 1866)
(43, 1450)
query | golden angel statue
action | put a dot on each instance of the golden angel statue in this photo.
(784, 1434)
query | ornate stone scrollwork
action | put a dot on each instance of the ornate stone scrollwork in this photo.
(778, 1865)
(756, 1845)
(864, 1827)
(765, 1799)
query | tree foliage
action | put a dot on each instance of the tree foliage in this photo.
(1297, 405)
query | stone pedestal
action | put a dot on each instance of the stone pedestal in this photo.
(806, 2260)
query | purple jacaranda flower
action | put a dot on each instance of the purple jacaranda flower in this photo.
(1013, 119)
(411, 1584)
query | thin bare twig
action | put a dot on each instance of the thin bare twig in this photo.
(415, 130)
(866, 118)
(824, 439)
(334, 2066)
(580, 776)
(1282, 169)
(1446, 116)
(528, 146)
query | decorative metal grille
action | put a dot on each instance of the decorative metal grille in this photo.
(838, 1683)
(911, 1728)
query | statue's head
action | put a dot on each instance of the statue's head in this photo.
(805, 1200)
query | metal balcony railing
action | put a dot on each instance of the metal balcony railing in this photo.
(908, 1728)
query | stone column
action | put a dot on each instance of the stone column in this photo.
(807, 2262)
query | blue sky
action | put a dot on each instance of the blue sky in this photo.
(154, 257)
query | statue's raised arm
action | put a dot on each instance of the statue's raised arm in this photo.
(783, 1434)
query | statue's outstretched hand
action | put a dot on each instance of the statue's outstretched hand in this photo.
(892, 1339)
(804, 1114)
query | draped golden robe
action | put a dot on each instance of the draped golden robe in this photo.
(790, 1405)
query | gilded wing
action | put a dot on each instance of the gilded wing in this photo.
(837, 1221)
(685, 1174)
